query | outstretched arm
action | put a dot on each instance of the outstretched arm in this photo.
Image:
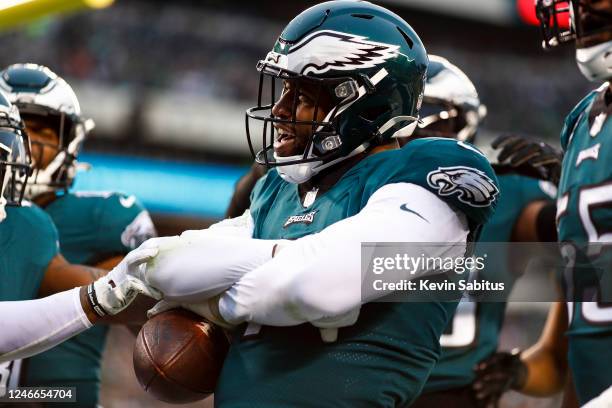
(32, 326)
(540, 370)
(546, 361)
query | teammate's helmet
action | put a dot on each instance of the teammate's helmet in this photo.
(451, 106)
(14, 156)
(40, 94)
(368, 60)
(590, 27)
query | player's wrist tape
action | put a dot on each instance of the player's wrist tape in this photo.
(92, 299)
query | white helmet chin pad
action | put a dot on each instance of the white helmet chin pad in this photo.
(302, 172)
(2, 208)
(295, 173)
(595, 62)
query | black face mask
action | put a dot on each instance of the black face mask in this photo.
(15, 161)
(589, 24)
(592, 25)
(322, 144)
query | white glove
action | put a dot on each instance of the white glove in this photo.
(115, 291)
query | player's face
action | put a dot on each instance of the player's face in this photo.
(594, 17)
(45, 142)
(298, 102)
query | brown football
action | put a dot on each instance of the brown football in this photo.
(178, 356)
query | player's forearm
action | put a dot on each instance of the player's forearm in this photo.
(61, 276)
(202, 264)
(32, 326)
(547, 360)
(546, 372)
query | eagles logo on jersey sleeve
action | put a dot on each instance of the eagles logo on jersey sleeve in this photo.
(471, 185)
(456, 172)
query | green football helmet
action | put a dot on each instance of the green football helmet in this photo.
(370, 63)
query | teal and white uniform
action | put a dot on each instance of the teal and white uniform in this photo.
(385, 358)
(28, 242)
(474, 331)
(92, 227)
(584, 215)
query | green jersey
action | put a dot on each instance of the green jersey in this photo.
(584, 215)
(92, 227)
(473, 333)
(385, 358)
(28, 242)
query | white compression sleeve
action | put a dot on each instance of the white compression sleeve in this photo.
(242, 226)
(319, 275)
(33, 326)
(197, 266)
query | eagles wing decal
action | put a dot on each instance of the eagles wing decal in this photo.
(471, 185)
(327, 50)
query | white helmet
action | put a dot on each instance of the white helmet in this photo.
(449, 96)
(39, 93)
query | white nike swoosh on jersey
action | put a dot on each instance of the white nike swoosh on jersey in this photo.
(127, 202)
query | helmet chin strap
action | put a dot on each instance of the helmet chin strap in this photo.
(595, 62)
(3, 199)
(302, 172)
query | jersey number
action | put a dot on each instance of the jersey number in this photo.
(462, 328)
(589, 198)
(5, 375)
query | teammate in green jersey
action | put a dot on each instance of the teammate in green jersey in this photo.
(94, 228)
(30, 265)
(583, 217)
(452, 109)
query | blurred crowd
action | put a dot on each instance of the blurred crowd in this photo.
(212, 52)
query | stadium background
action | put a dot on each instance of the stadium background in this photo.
(168, 82)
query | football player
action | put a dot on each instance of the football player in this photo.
(31, 265)
(583, 217)
(351, 76)
(525, 212)
(95, 228)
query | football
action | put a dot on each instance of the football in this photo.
(178, 356)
